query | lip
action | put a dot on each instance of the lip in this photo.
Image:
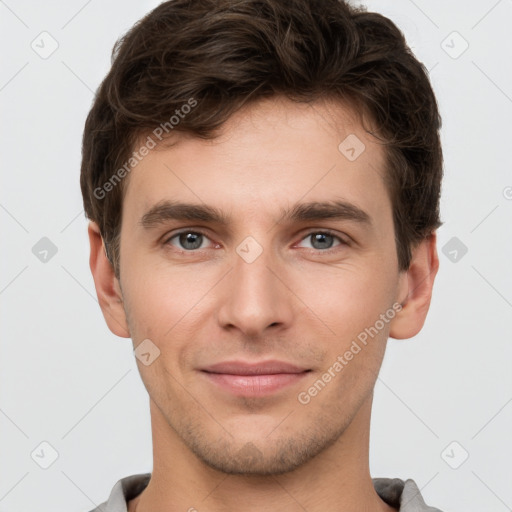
(256, 368)
(254, 379)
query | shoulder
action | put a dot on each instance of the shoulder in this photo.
(123, 491)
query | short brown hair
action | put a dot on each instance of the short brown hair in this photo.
(223, 54)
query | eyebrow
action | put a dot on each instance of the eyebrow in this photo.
(167, 210)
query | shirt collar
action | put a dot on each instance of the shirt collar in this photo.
(400, 494)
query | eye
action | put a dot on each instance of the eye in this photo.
(323, 240)
(193, 240)
(187, 240)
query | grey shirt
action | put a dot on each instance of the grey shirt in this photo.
(402, 495)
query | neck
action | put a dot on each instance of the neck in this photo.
(336, 479)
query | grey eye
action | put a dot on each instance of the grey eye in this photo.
(321, 240)
(188, 240)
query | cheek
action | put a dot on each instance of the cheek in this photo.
(165, 301)
(350, 304)
(346, 299)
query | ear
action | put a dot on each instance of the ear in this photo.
(107, 286)
(415, 290)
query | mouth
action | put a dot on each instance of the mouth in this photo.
(254, 379)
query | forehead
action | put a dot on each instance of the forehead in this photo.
(273, 153)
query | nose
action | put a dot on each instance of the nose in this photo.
(255, 296)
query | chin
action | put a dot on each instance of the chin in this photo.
(261, 457)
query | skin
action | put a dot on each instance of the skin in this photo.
(296, 302)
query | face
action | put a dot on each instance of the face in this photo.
(255, 264)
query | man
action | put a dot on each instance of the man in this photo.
(262, 180)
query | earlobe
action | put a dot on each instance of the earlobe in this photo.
(106, 284)
(415, 290)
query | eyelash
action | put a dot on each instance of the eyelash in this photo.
(317, 231)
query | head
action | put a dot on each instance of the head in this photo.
(263, 181)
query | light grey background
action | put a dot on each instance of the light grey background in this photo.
(67, 381)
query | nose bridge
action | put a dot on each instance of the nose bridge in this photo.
(256, 299)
